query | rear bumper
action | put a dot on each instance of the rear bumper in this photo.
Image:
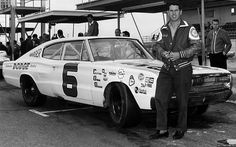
(200, 99)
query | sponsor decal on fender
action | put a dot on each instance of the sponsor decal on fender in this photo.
(121, 73)
(36, 53)
(21, 66)
(140, 90)
(131, 80)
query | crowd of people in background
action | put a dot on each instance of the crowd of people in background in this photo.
(30, 42)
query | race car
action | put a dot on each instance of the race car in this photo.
(3, 58)
(116, 73)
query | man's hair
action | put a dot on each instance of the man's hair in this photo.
(216, 20)
(60, 32)
(175, 2)
(90, 15)
(126, 33)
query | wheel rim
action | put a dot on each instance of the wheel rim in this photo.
(30, 92)
(116, 106)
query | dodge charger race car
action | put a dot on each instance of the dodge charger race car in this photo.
(116, 73)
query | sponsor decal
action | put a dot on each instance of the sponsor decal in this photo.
(112, 73)
(143, 84)
(149, 81)
(8, 65)
(105, 78)
(95, 78)
(141, 76)
(36, 53)
(140, 90)
(131, 80)
(21, 66)
(193, 33)
(33, 65)
(96, 72)
(103, 71)
(96, 85)
(121, 73)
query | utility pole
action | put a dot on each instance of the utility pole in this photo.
(12, 26)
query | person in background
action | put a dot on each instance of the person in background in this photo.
(3, 47)
(117, 32)
(80, 34)
(60, 34)
(45, 37)
(22, 46)
(35, 40)
(177, 44)
(16, 50)
(125, 34)
(218, 45)
(54, 36)
(29, 44)
(92, 26)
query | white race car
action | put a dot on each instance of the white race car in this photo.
(3, 58)
(111, 72)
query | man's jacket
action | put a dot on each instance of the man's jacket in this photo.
(185, 42)
(93, 29)
(221, 43)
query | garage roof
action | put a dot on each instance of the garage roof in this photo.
(4, 30)
(149, 6)
(59, 16)
(21, 10)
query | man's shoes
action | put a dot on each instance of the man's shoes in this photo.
(158, 135)
(178, 135)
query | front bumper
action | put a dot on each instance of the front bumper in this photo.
(197, 99)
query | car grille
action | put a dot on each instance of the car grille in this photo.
(206, 82)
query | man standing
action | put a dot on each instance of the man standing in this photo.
(92, 26)
(218, 45)
(177, 44)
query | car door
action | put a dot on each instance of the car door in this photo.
(76, 72)
(49, 73)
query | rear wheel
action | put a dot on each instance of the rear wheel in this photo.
(31, 94)
(123, 109)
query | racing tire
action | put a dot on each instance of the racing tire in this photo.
(197, 110)
(123, 109)
(1, 75)
(31, 94)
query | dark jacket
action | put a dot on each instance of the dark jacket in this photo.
(185, 41)
(222, 42)
(93, 29)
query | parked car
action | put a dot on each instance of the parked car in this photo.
(116, 73)
(3, 58)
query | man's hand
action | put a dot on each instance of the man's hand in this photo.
(166, 54)
(174, 56)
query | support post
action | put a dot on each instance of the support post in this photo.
(12, 26)
(203, 32)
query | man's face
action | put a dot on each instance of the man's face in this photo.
(215, 25)
(117, 32)
(89, 19)
(174, 12)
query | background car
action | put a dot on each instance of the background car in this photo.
(3, 58)
(116, 73)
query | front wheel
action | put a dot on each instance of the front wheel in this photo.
(123, 109)
(31, 94)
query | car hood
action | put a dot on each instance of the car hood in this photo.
(155, 65)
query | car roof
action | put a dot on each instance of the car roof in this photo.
(84, 38)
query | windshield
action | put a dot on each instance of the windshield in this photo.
(117, 49)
